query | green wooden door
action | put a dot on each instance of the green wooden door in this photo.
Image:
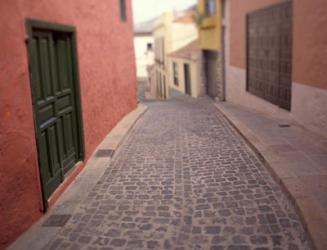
(58, 133)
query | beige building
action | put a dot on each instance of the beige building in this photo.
(171, 31)
(185, 74)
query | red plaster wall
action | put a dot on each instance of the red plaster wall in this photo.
(309, 37)
(108, 92)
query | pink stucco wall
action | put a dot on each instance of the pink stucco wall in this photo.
(309, 38)
(108, 92)
(310, 43)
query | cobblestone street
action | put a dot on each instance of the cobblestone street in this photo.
(184, 179)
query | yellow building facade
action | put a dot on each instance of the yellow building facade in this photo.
(208, 19)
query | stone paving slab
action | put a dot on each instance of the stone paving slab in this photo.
(38, 236)
(296, 157)
(184, 179)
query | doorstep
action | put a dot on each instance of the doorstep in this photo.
(46, 228)
(296, 157)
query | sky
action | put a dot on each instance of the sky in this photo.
(146, 9)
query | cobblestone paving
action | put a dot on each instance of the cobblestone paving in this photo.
(184, 179)
(141, 88)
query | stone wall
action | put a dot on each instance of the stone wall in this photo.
(216, 87)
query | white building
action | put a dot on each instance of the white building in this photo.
(143, 46)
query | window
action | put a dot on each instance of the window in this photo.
(122, 6)
(149, 46)
(210, 7)
(175, 73)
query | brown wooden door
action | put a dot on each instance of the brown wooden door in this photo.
(269, 54)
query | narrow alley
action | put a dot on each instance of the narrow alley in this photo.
(176, 124)
(184, 179)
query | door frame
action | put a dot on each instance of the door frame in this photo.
(31, 24)
(187, 75)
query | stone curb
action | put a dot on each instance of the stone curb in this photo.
(117, 135)
(38, 236)
(302, 209)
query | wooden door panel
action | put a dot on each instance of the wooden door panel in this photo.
(53, 148)
(61, 147)
(65, 102)
(68, 138)
(43, 82)
(50, 171)
(46, 114)
(44, 55)
(34, 70)
(44, 157)
(62, 64)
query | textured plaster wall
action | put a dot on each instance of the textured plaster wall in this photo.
(108, 91)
